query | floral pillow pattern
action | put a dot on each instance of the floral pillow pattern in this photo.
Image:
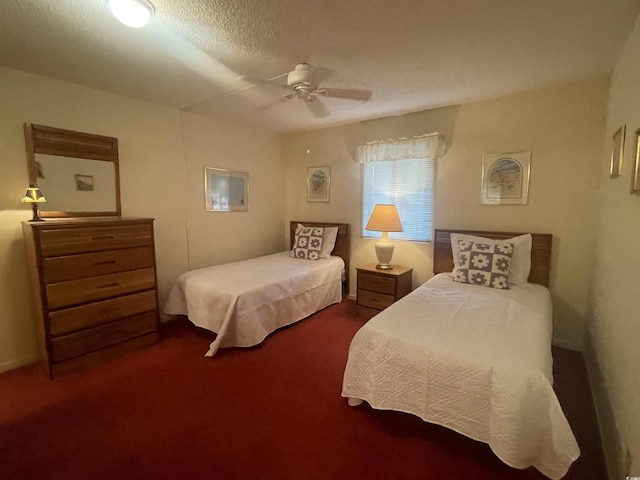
(484, 264)
(308, 243)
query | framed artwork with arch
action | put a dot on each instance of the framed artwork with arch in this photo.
(505, 178)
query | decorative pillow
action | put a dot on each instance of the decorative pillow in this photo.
(484, 264)
(520, 261)
(328, 240)
(308, 243)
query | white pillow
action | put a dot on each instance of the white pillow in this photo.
(328, 242)
(520, 262)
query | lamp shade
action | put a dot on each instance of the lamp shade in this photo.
(33, 195)
(384, 218)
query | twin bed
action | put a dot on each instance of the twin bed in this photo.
(473, 359)
(243, 302)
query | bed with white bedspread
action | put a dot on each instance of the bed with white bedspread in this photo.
(473, 359)
(243, 302)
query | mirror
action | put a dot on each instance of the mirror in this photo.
(77, 172)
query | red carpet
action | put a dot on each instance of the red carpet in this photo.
(270, 412)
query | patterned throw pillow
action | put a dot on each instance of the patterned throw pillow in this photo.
(484, 264)
(308, 243)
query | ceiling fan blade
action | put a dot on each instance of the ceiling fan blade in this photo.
(316, 107)
(251, 85)
(345, 93)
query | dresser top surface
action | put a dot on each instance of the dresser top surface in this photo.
(80, 221)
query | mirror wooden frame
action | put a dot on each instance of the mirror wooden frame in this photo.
(69, 143)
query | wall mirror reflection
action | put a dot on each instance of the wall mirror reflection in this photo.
(78, 172)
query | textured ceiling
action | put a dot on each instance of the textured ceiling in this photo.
(411, 54)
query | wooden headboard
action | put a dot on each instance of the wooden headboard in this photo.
(341, 249)
(540, 252)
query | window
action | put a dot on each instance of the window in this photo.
(402, 173)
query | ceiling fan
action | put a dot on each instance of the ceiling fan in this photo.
(303, 83)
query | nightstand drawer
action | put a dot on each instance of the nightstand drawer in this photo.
(374, 299)
(377, 283)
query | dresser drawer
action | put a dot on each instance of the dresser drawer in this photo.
(89, 289)
(80, 343)
(376, 300)
(65, 241)
(377, 283)
(85, 316)
(72, 267)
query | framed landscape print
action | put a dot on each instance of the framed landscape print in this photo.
(505, 178)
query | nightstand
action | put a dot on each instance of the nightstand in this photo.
(377, 289)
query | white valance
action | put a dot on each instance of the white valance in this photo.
(431, 145)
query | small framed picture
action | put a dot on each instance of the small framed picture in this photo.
(635, 173)
(84, 183)
(505, 178)
(226, 190)
(617, 151)
(318, 184)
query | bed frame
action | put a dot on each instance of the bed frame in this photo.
(341, 249)
(540, 251)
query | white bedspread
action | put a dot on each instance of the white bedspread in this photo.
(473, 359)
(245, 301)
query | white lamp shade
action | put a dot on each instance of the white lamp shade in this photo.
(133, 13)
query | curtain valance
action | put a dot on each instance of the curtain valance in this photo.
(431, 145)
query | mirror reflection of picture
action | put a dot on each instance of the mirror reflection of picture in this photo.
(318, 184)
(84, 183)
(226, 190)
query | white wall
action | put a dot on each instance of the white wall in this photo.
(162, 157)
(562, 126)
(613, 339)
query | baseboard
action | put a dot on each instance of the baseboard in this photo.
(20, 362)
(351, 296)
(615, 452)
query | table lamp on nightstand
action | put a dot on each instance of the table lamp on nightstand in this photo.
(34, 196)
(385, 219)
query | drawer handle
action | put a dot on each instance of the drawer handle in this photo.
(103, 237)
(108, 285)
(106, 262)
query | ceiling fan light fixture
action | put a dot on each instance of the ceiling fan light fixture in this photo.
(132, 13)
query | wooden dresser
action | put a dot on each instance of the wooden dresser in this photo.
(377, 289)
(94, 289)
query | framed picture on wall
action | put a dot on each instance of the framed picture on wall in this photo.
(617, 151)
(84, 183)
(226, 190)
(318, 184)
(505, 178)
(635, 173)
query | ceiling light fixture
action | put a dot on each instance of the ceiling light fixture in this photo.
(133, 13)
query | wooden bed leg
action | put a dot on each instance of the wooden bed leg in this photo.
(354, 402)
